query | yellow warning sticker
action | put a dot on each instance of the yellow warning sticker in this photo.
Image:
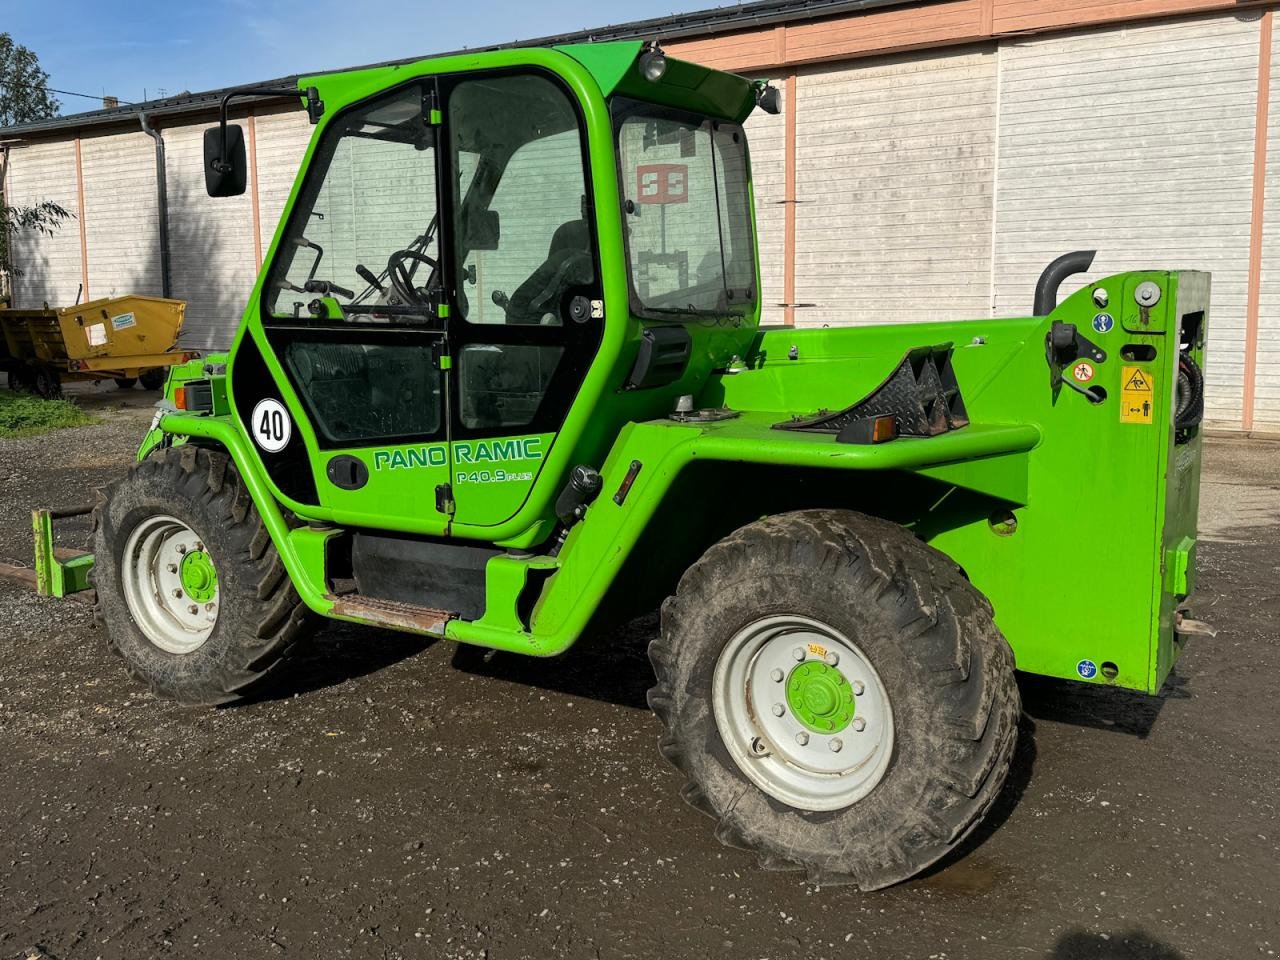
(817, 649)
(1137, 395)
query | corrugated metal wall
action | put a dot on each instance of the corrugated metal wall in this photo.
(1137, 142)
(121, 228)
(50, 265)
(1266, 411)
(767, 137)
(282, 140)
(211, 244)
(894, 162)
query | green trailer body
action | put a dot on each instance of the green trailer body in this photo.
(1057, 466)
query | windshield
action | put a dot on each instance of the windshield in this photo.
(686, 212)
(371, 193)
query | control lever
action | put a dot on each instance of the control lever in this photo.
(327, 288)
(368, 277)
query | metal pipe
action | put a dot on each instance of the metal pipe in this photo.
(1049, 282)
(162, 205)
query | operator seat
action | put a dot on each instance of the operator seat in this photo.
(568, 264)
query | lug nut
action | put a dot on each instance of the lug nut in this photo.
(858, 688)
(177, 594)
(831, 659)
(208, 608)
(775, 675)
(779, 709)
(802, 738)
(182, 549)
(798, 653)
(172, 568)
(199, 545)
(859, 724)
(193, 609)
(836, 744)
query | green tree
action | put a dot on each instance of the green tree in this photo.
(24, 96)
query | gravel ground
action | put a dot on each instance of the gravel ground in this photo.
(395, 798)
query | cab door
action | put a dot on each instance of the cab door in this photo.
(526, 316)
(366, 368)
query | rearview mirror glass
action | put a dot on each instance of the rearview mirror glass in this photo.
(225, 176)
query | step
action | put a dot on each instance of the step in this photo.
(391, 613)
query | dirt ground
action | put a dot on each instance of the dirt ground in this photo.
(394, 799)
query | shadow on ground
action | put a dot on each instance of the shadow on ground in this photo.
(1130, 945)
(336, 654)
(1098, 706)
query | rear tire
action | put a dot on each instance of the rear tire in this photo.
(928, 738)
(211, 633)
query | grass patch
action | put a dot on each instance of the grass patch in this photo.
(22, 415)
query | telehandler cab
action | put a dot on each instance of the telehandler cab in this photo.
(503, 367)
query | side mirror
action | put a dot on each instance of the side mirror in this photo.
(480, 230)
(225, 175)
(768, 100)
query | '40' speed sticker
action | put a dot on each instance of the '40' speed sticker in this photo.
(270, 426)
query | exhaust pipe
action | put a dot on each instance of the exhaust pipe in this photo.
(1049, 282)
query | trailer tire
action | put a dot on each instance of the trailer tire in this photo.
(126, 383)
(256, 615)
(153, 378)
(903, 620)
(45, 382)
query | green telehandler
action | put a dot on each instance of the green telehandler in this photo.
(503, 373)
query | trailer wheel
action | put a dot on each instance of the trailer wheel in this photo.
(838, 696)
(190, 590)
(153, 379)
(45, 382)
(126, 383)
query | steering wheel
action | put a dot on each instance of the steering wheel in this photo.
(402, 279)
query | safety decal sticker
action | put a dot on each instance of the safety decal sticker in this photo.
(122, 322)
(270, 425)
(1103, 323)
(1087, 669)
(1137, 395)
(1083, 371)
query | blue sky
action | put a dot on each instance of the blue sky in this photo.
(158, 47)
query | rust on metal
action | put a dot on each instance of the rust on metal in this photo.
(390, 613)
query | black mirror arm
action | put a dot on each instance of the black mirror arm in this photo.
(315, 110)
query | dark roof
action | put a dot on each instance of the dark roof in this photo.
(700, 23)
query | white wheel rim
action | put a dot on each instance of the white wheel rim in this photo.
(785, 756)
(151, 574)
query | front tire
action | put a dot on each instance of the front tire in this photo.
(190, 589)
(838, 696)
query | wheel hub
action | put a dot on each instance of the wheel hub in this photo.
(803, 712)
(199, 579)
(820, 696)
(170, 584)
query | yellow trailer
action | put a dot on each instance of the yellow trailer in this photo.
(125, 339)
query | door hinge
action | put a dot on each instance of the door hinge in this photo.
(440, 357)
(431, 112)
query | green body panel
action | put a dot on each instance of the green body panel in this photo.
(1079, 527)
